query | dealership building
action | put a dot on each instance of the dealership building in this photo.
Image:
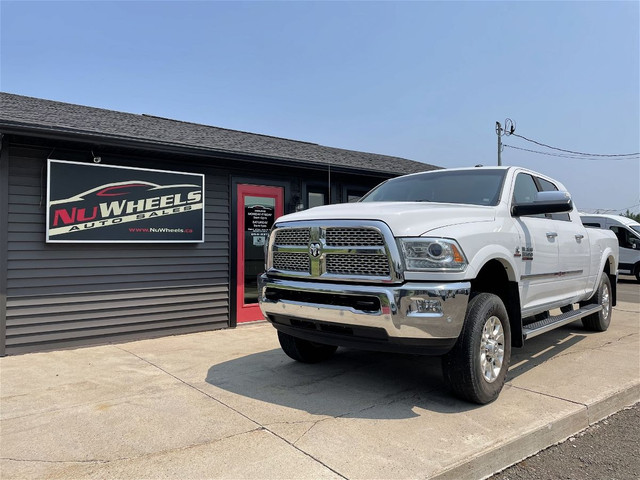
(118, 226)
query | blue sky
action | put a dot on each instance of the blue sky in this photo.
(421, 80)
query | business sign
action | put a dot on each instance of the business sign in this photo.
(108, 204)
(259, 218)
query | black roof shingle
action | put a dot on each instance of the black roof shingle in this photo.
(20, 113)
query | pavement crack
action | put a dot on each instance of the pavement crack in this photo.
(612, 342)
(585, 349)
(110, 400)
(144, 455)
(261, 427)
(398, 396)
(193, 387)
(31, 460)
(188, 447)
(627, 311)
(308, 430)
(551, 396)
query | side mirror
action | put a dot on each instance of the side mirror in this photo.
(544, 202)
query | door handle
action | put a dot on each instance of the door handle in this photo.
(551, 234)
(579, 237)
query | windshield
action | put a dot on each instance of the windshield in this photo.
(475, 187)
(636, 228)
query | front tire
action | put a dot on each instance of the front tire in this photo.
(303, 350)
(476, 368)
(599, 322)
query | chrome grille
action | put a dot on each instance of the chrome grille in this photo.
(368, 265)
(295, 262)
(341, 250)
(292, 236)
(353, 237)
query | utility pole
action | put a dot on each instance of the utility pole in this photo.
(509, 128)
(499, 132)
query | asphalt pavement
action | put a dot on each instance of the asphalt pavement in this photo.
(230, 404)
(628, 289)
(606, 450)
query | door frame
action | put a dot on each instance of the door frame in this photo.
(234, 250)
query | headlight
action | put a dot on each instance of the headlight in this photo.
(432, 254)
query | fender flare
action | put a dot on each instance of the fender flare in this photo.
(493, 252)
(608, 256)
(500, 254)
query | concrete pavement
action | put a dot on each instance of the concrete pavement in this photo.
(230, 404)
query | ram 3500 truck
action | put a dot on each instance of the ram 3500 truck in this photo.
(463, 263)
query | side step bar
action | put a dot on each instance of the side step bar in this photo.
(543, 326)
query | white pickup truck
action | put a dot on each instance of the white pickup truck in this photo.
(463, 263)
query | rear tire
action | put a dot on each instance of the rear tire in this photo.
(476, 368)
(304, 350)
(599, 322)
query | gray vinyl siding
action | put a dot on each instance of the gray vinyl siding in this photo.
(74, 294)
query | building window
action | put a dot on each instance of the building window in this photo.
(316, 198)
(353, 195)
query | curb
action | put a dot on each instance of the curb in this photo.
(529, 443)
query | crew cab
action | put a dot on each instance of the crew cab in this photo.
(462, 263)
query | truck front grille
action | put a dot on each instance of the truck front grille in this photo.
(368, 265)
(353, 237)
(295, 262)
(342, 251)
(292, 236)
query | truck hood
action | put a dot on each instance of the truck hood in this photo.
(406, 219)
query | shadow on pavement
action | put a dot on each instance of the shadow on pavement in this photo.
(539, 350)
(363, 384)
(353, 383)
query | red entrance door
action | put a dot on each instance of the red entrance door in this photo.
(258, 208)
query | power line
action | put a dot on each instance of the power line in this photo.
(610, 210)
(630, 209)
(585, 156)
(574, 152)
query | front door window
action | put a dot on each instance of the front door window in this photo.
(258, 208)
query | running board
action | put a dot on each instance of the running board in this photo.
(543, 326)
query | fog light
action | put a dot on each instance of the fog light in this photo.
(420, 305)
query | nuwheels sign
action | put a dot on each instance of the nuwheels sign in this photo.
(109, 204)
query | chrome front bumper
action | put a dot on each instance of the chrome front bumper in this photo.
(411, 312)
